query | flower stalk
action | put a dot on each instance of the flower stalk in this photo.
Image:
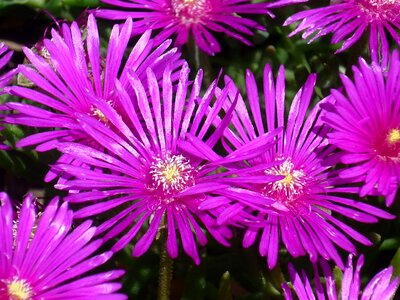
(166, 269)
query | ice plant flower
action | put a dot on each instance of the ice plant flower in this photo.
(310, 194)
(5, 56)
(196, 17)
(5, 77)
(365, 118)
(348, 20)
(42, 258)
(381, 286)
(70, 72)
(150, 173)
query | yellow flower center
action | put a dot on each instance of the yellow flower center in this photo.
(99, 115)
(19, 290)
(287, 180)
(394, 136)
(171, 174)
(289, 188)
(190, 11)
(189, 2)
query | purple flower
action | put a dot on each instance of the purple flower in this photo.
(69, 73)
(365, 118)
(154, 173)
(349, 19)
(199, 18)
(42, 258)
(5, 56)
(381, 286)
(310, 194)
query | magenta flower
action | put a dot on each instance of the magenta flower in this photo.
(199, 18)
(349, 19)
(42, 258)
(69, 73)
(365, 118)
(310, 195)
(152, 174)
(5, 56)
(381, 286)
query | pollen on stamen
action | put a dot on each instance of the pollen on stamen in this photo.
(19, 289)
(171, 174)
(381, 9)
(393, 136)
(288, 188)
(15, 227)
(98, 114)
(387, 146)
(190, 11)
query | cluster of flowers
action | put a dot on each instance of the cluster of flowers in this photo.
(139, 143)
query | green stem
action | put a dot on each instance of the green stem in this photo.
(196, 56)
(165, 272)
(200, 60)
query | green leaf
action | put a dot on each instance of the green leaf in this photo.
(390, 244)
(396, 263)
(33, 3)
(82, 3)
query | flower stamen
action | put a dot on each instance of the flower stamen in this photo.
(190, 11)
(98, 114)
(289, 188)
(380, 9)
(172, 174)
(19, 289)
(393, 136)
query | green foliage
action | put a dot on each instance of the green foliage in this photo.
(59, 8)
(51, 4)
